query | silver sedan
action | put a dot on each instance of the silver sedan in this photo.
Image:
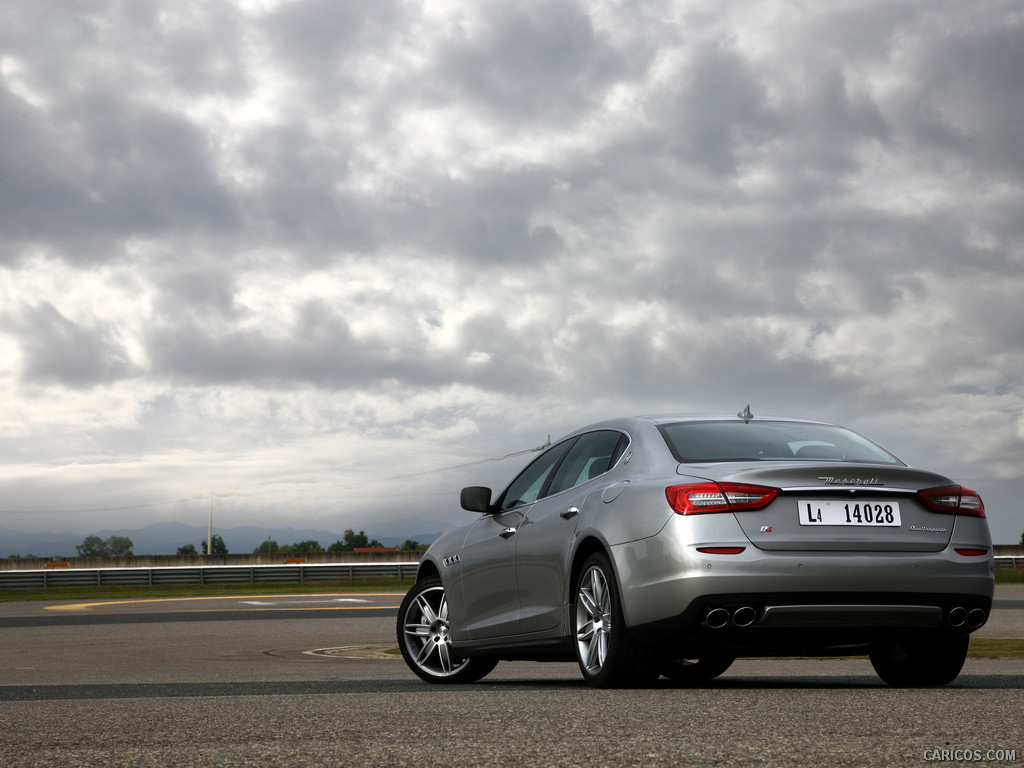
(652, 546)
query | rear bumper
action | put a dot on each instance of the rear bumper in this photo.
(801, 623)
(813, 598)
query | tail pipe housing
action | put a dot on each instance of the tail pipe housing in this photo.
(972, 618)
(719, 617)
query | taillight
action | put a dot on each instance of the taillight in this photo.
(702, 498)
(953, 500)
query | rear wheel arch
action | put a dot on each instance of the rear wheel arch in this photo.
(586, 548)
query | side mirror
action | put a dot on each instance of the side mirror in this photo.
(476, 498)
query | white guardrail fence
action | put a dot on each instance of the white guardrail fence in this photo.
(299, 573)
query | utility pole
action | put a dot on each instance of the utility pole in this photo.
(209, 529)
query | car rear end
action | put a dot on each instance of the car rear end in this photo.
(804, 538)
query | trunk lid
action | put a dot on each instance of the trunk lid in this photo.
(840, 507)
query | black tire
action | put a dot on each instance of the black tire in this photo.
(608, 655)
(694, 671)
(424, 640)
(921, 663)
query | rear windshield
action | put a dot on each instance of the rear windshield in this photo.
(695, 442)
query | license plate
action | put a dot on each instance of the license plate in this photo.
(884, 514)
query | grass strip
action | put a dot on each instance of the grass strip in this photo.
(996, 648)
(1009, 575)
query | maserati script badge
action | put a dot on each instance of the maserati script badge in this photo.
(850, 480)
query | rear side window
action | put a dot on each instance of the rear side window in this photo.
(709, 441)
(565, 466)
(592, 455)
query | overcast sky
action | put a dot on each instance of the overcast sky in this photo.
(299, 255)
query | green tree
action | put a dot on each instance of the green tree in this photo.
(188, 549)
(119, 546)
(93, 546)
(268, 547)
(115, 546)
(306, 547)
(219, 547)
(411, 546)
(1022, 538)
(351, 540)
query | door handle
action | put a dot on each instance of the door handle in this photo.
(508, 533)
(570, 512)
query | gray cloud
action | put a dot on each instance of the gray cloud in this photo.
(971, 99)
(527, 62)
(313, 233)
(59, 351)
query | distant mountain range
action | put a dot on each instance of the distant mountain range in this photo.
(166, 538)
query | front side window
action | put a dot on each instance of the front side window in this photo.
(530, 484)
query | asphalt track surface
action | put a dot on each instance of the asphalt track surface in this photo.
(302, 681)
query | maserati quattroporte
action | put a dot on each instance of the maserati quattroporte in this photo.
(668, 546)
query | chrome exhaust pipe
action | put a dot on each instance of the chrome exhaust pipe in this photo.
(744, 616)
(976, 617)
(957, 616)
(717, 618)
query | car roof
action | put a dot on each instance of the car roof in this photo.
(626, 422)
(676, 417)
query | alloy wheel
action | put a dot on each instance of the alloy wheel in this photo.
(593, 619)
(426, 634)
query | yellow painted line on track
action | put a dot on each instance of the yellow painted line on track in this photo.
(103, 603)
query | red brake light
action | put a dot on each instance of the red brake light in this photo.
(721, 550)
(953, 500)
(701, 498)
